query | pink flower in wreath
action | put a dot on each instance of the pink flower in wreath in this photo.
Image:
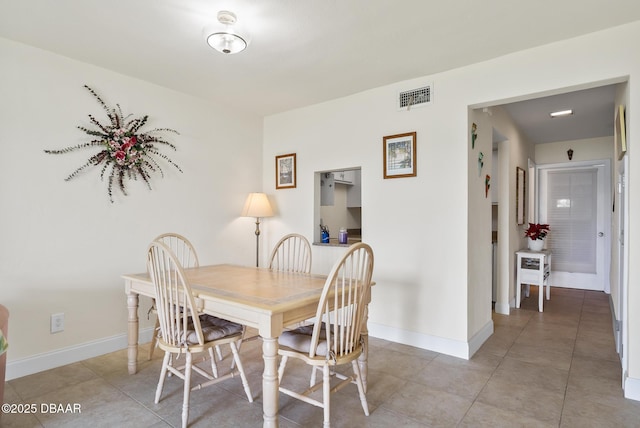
(128, 142)
(120, 156)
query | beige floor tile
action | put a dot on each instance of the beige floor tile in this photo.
(398, 364)
(33, 386)
(428, 406)
(596, 345)
(516, 396)
(516, 318)
(100, 404)
(532, 375)
(584, 412)
(501, 340)
(541, 356)
(463, 380)
(484, 415)
(587, 366)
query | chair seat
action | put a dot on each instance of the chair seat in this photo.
(213, 328)
(299, 339)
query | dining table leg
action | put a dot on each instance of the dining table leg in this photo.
(270, 390)
(132, 349)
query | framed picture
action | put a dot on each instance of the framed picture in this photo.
(286, 171)
(620, 133)
(399, 155)
(520, 195)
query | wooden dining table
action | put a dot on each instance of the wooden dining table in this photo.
(261, 298)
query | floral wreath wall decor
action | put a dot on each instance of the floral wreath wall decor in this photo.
(126, 152)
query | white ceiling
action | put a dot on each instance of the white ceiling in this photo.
(593, 115)
(301, 52)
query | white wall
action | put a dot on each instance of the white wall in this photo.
(512, 153)
(64, 245)
(419, 226)
(586, 149)
(480, 250)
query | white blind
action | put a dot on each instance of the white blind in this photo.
(571, 214)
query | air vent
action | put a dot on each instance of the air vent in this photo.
(414, 98)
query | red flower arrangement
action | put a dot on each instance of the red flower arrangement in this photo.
(536, 231)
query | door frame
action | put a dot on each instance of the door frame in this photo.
(604, 192)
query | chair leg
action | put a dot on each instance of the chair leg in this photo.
(163, 375)
(283, 363)
(363, 396)
(312, 381)
(154, 339)
(244, 331)
(187, 389)
(326, 395)
(214, 366)
(245, 383)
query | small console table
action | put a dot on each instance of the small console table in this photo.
(533, 268)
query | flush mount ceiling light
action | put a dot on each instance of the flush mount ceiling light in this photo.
(561, 113)
(226, 37)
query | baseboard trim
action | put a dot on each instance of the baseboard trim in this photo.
(455, 348)
(502, 308)
(632, 388)
(480, 337)
(72, 354)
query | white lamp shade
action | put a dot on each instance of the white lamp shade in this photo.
(257, 205)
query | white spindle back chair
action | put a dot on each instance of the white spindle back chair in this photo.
(184, 332)
(188, 258)
(336, 336)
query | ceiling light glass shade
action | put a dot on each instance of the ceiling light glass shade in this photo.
(227, 43)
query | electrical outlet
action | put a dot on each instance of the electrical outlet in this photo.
(57, 323)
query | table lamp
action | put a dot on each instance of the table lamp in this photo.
(257, 205)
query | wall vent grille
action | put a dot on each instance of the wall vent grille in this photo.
(414, 98)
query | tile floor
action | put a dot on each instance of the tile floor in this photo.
(553, 369)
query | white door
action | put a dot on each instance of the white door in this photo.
(575, 201)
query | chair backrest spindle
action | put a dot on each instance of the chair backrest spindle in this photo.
(291, 254)
(181, 247)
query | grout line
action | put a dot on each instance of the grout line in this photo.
(575, 341)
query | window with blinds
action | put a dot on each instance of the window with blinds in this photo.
(572, 214)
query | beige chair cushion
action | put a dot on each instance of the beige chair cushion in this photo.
(299, 339)
(213, 328)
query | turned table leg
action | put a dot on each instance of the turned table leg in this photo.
(270, 390)
(132, 349)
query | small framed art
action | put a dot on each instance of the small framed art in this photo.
(399, 155)
(620, 133)
(286, 171)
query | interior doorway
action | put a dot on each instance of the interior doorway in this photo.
(574, 200)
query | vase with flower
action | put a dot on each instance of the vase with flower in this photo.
(536, 233)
